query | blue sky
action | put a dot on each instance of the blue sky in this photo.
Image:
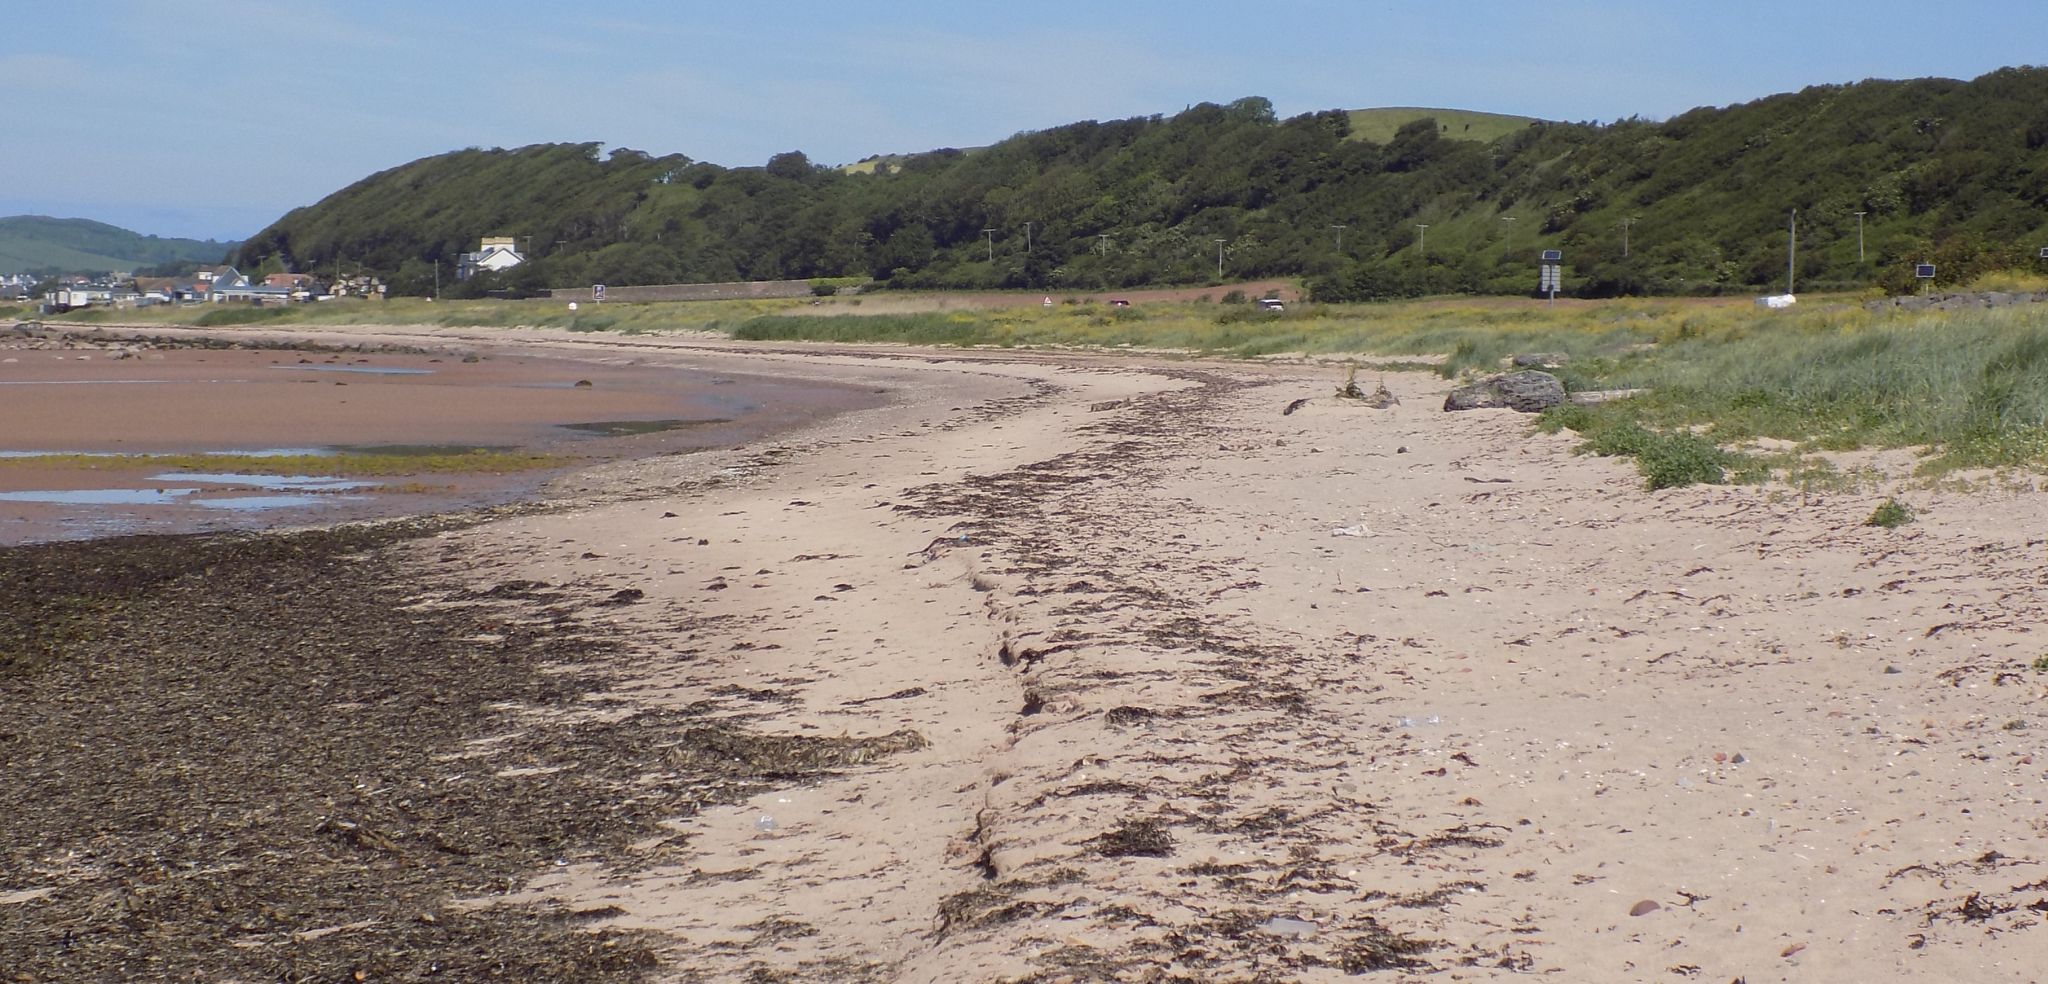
(210, 119)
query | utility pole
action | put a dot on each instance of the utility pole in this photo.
(437, 280)
(1625, 223)
(991, 234)
(1792, 254)
(1422, 241)
(1102, 242)
(1859, 235)
(1219, 258)
(1340, 236)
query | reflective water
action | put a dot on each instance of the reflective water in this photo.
(100, 497)
(311, 483)
(257, 453)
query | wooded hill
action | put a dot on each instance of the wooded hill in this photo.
(1947, 172)
(43, 245)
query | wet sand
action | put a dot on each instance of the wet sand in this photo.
(106, 399)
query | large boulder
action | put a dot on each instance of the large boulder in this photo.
(1529, 391)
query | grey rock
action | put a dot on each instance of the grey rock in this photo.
(1540, 360)
(1529, 391)
(1283, 926)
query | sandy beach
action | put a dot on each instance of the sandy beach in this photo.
(1172, 686)
(1446, 694)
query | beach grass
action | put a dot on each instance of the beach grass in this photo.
(1969, 388)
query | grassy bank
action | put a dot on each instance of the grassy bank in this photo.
(1970, 388)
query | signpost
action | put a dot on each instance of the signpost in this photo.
(597, 293)
(1924, 272)
(1550, 273)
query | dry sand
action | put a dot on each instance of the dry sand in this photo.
(1438, 696)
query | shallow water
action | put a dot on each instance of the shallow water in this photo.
(257, 453)
(123, 435)
(315, 483)
(99, 497)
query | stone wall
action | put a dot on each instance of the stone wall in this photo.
(1957, 302)
(692, 292)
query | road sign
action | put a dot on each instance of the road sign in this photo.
(1924, 271)
(597, 292)
(1553, 255)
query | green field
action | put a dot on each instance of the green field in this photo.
(1379, 125)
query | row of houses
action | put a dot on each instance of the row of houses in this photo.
(17, 286)
(225, 284)
(208, 285)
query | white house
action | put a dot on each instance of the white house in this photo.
(495, 253)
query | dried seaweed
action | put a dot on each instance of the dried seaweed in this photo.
(252, 757)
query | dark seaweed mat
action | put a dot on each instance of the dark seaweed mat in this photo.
(212, 745)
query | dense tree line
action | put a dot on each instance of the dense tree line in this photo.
(1942, 171)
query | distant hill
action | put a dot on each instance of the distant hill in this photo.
(1380, 125)
(41, 244)
(1359, 204)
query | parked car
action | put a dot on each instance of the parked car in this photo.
(1271, 304)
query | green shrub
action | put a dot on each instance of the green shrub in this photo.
(1891, 515)
(1671, 461)
(1626, 438)
(1567, 416)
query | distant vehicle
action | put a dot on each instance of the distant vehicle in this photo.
(1271, 304)
(1119, 302)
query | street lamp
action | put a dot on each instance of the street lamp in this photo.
(991, 234)
(1340, 236)
(1625, 223)
(1422, 241)
(1219, 258)
(1859, 235)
